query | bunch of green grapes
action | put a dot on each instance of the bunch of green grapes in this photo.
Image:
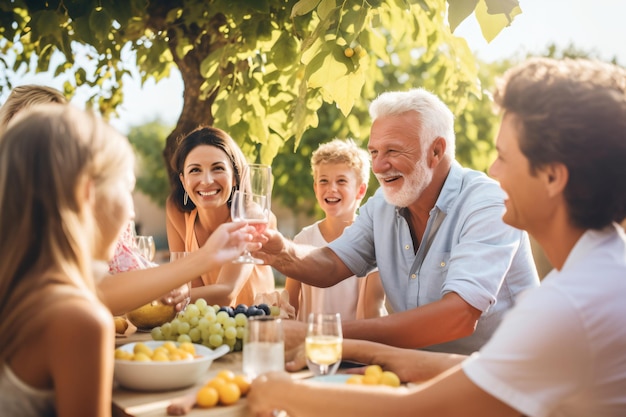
(212, 326)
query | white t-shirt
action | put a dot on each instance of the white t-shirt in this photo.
(340, 298)
(562, 350)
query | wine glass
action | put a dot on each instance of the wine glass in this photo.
(253, 209)
(257, 179)
(146, 247)
(323, 343)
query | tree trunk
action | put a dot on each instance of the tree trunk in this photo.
(194, 108)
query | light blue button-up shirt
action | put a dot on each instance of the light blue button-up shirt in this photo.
(466, 249)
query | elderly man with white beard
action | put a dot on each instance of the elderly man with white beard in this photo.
(449, 265)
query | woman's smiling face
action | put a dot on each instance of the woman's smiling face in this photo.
(208, 177)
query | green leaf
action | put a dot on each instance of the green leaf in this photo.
(325, 7)
(353, 20)
(209, 65)
(491, 25)
(79, 8)
(259, 6)
(505, 7)
(328, 68)
(303, 7)
(44, 23)
(100, 23)
(458, 10)
(346, 90)
(285, 51)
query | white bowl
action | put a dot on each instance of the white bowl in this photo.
(163, 376)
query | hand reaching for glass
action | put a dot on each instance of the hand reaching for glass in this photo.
(253, 209)
(228, 241)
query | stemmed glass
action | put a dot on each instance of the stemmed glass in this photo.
(257, 179)
(252, 202)
(146, 247)
(253, 209)
(323, 343)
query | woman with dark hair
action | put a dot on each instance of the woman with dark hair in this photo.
(209, 164)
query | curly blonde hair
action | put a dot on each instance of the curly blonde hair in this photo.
(347, 152)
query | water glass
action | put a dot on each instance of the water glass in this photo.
(323, 344)
(263, 346)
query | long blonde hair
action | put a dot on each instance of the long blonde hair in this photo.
(48, 158)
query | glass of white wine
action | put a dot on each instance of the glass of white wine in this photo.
(323, 344)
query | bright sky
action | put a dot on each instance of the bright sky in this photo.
(590, 25)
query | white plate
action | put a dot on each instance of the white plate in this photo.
(332, 379)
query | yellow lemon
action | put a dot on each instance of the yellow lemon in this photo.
(123, 354)
(160, 357)
(142, 348)
(229, 393)
(207, 397)
(243, 382)
(188, 347)
(374, 370)
(355, 379)
(141, 357)
(226, 375)
(390, 379)
(370, 380)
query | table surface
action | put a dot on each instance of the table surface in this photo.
(128, 403)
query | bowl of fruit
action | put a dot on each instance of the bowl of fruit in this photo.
(160, 366)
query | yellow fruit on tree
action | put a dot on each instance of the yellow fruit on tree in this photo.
(348, 52)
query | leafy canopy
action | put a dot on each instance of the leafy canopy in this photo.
(259, 69)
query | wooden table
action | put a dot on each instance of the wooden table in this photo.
(127, 403)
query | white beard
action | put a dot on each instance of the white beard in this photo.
(414, 184)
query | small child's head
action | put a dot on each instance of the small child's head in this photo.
(340, 165)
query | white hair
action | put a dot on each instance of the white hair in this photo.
(436, 118)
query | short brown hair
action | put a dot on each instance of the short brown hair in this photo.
(573, 111)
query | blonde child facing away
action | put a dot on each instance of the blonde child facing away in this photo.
(66, 181)
(340, 176)
(54, 327)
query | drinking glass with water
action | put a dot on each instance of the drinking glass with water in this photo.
(263, 346)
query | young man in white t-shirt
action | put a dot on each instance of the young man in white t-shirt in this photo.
(561, 350)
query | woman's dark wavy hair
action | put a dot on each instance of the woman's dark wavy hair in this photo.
(574, 112)
(203, 135)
